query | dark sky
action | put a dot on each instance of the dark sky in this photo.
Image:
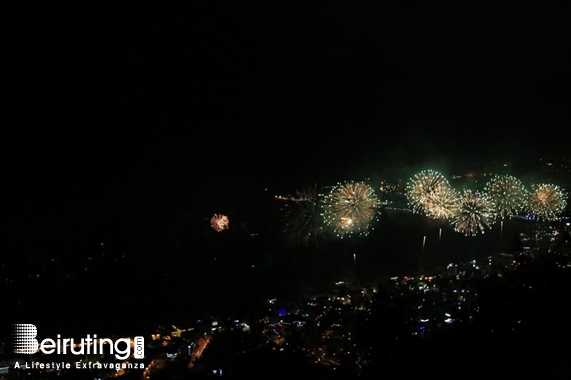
(200, 94)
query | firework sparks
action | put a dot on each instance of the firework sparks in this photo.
(507, 194)
(302, 216)
(546, 201)
(350, 208)
(475, 213)
(430, 193)
(219, 222)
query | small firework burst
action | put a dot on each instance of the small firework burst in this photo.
(429, 193)
(507, 194)
(350, 208)
(302, 216)
(475, 213)
(219, 222)
(546, 201)
(443, 204)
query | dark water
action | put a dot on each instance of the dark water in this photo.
(219, 276)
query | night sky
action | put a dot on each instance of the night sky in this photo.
(297, 92)
(115, 113)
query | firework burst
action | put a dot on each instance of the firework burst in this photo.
(443, 204)
(350, 208)
(429, 193)
(219, 222)
(475, 213)
(546, 201)
(302, 217)
(507, 194)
